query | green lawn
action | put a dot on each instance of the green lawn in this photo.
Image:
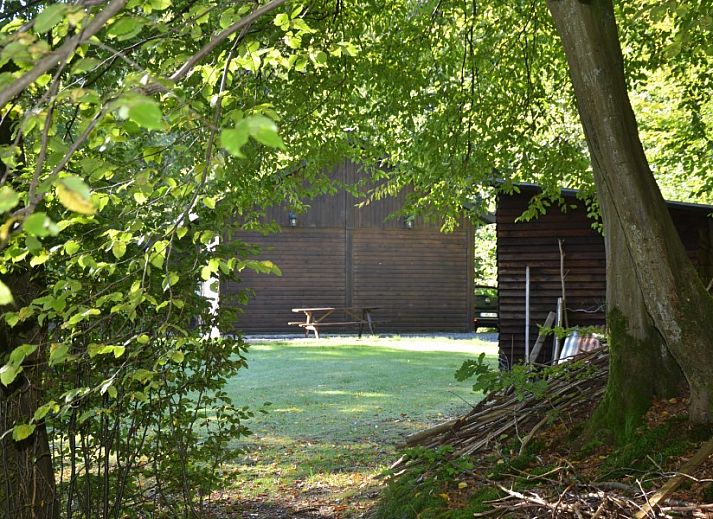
(338, 407)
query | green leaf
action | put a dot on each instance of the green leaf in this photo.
(264, 130)
(234, 139)
(5, 295)
(160, 5)
(18, 354)
(73, 201)
(170, 280)
(143, 110)
(8, 373)
(282, 21)
(177, 356)
(320, 57)
(142, 375)
(8, 198)
(76, 184)
(49, 17)
(156, 259)
(85, 65)
(22, 431)
(125, 28)
(80, 316)
(38, 224)
(94, 349)
(147, 114)
(71, 247)
(58, 353)
(42, 411)
(118, 249)
(39, 259)
(12, 318)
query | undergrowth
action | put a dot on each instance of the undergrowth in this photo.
(648, 449)
(436, 485)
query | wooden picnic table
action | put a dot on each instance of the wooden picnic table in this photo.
(315, 318)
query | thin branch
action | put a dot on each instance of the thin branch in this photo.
(62, 53)
(212, 44)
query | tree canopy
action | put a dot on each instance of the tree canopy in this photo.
(136, 133)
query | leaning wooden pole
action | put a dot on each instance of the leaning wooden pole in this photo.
(565, 320)
(527, 314)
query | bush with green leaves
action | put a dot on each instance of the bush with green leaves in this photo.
(137, 137)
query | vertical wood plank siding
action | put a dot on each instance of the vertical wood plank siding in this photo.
(417, 277)
(340, 255)
(535, 243)
(312, 265)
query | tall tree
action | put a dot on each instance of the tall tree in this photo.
(135, 133)
(648, 265)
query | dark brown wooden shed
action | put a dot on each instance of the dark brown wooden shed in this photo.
(535, 243)
(340, 255)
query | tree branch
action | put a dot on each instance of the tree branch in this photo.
(212, 44)
(62, 53)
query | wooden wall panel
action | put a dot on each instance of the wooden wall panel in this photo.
(324, 211)
(342, 255)
(312, 263)
(418, 278)
(535, 244)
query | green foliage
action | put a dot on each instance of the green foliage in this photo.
(125, 171)
(478, 501)
(409, 497)
(525, 380)
(485, 257)
(132, 152)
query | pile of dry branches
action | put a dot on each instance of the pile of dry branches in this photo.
(507, 413)
(588, 501)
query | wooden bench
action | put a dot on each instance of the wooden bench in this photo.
(315, 319)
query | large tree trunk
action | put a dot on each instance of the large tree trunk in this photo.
(678, 310)
(27, 487)
(637, 349)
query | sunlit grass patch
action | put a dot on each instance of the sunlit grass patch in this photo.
(339, 405)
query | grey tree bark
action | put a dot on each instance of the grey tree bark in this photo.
(674, 299)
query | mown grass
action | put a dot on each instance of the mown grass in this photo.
(339, 406)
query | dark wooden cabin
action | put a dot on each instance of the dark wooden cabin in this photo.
(535, 243)
(339, 255)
